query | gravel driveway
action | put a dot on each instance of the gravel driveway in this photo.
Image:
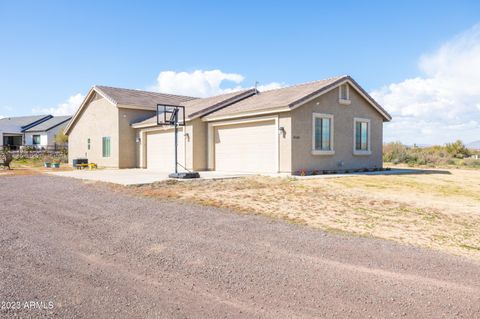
(76, 250)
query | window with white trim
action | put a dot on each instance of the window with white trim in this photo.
(361, 136)
(344, 94)
(36, 139)
(322, 134)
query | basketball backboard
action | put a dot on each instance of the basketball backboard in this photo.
(170, 115)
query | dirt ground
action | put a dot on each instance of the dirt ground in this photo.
(89, 250)
(438, 209)
(20, 169)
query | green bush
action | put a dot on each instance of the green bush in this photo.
(457, 149)
(451, 154)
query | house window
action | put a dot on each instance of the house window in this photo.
(106, 146)
(361, 137)
(36, 139)
(344, 94)
(88, 144)
(322, 139)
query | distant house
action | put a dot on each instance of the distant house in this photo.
(37, 131)
(323, 125)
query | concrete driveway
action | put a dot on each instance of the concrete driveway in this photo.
(94, 252)
(135, 176)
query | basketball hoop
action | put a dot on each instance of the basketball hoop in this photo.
(170, 115)
(174, 115)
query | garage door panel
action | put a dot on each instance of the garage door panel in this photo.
(161, 150)
(249, 147)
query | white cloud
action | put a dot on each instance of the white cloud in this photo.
(202, 83)
(69, 107)
(443, 104)
(270, 86)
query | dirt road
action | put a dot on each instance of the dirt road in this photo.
(76, 250)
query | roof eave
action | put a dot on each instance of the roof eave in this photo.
(137, 107)
(279, 109)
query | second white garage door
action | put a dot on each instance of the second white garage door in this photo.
(161, 151)
(249, 147)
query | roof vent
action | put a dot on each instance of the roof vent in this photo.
(256, 90)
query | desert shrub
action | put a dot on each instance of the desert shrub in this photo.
(61, 138)
(6, 157)
(457, 149)
(450, 154)
(471, 162)
(395, 152)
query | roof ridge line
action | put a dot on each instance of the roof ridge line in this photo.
(224, 103)
(309, 82)
(144, 91)
(217, 95)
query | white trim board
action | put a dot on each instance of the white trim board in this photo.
(246, 114)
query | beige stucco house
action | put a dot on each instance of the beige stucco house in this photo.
(331, 124)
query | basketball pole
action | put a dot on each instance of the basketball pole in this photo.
(175, 121)
(176, 145)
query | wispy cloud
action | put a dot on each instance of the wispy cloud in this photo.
(443, 104)
(67, 107)
(202, 83)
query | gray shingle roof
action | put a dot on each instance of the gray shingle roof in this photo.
(276, 98)
(198, 107)
(292, 96)
(49, 124)
(140, 98)
(19, 123)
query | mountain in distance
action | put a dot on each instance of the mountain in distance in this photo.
(474, 145)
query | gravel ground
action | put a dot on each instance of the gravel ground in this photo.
(96, 253)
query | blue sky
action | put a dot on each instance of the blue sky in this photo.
(52, 51)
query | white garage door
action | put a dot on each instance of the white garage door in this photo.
(161, 151)
(249, 147)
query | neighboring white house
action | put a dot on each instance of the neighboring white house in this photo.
(38, 130)
(44, 134)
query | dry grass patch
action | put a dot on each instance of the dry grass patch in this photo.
(440, 211)
(23, 170)
(18, 172)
